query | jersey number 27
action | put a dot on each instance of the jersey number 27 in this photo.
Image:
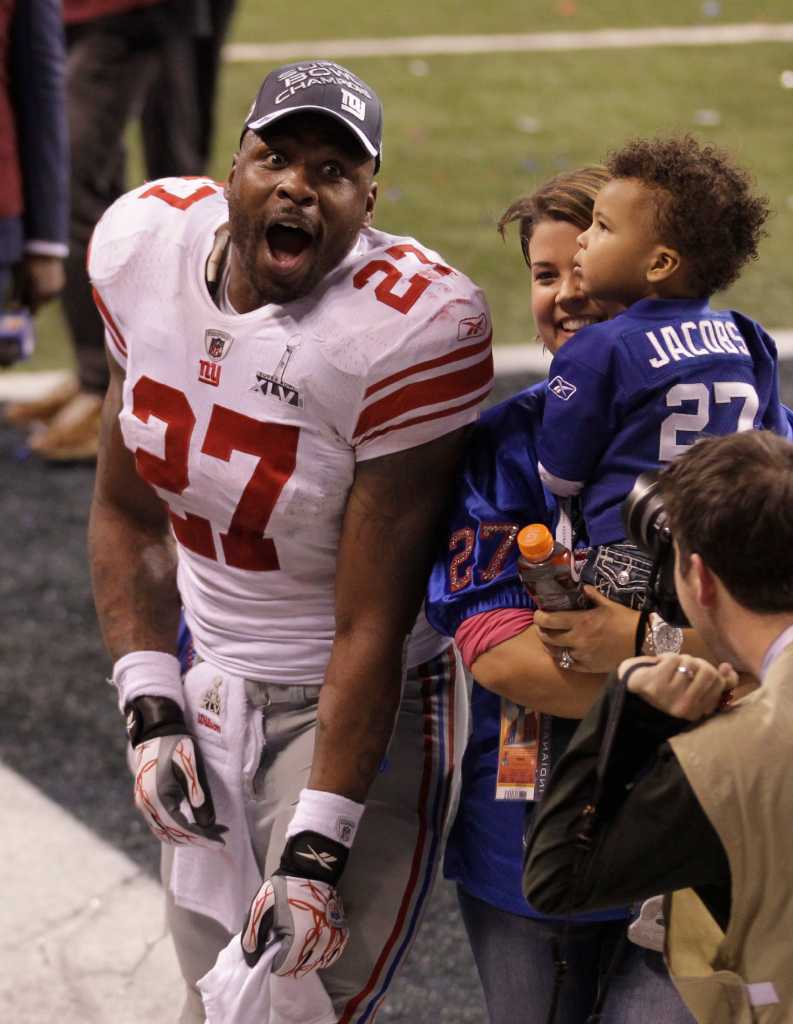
(275, 444)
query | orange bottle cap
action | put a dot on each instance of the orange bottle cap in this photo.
(535, 542)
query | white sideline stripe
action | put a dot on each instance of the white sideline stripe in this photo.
(25, 386)
(530, 42)
(82, 931)
(508, 360)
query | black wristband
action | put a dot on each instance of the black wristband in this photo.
(312, 855)
(150, 717)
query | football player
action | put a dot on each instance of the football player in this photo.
(289, 392)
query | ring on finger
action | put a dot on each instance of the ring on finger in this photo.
(566, 659)
(684, 670)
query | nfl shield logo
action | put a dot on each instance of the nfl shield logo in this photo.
(218, 343)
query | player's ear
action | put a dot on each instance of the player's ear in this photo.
(228, 181)
(664, 262)
(371, 199)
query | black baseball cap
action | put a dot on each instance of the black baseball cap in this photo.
(324, 86)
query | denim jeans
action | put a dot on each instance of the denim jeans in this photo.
(515, 959)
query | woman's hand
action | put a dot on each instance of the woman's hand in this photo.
(596, 638)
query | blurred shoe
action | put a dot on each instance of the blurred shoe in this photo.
(73, 433)
(41, 410)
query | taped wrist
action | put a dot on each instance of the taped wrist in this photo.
(312, 855)
(150, 674)
(150, 717)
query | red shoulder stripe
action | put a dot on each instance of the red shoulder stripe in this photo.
(433, 391)
(451, 357)
(449, 411)
(115, 334)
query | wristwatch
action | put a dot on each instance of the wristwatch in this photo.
(661, 637)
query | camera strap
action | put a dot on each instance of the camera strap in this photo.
(585, 835)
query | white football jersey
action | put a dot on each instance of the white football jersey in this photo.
(249, 425)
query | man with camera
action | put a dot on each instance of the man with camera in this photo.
(676, 784)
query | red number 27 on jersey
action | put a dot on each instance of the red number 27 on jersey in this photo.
(244, 544)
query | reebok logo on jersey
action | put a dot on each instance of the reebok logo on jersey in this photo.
(324, 859)
(472, 327)
(562, 388)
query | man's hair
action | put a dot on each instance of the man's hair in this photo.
(730, 500)
(704, 205)
(569, 196)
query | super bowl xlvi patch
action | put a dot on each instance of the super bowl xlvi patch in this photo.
(274, 385)
(472, 327)
(211, 701)
(562, 388)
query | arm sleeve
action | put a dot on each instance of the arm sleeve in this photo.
(37, 60)
(497, 492)
(762, 348)
(579, 417)
(433, 366)
(654, 836)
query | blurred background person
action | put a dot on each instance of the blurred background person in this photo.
(121, 53)
(178, 122)
(33, 153)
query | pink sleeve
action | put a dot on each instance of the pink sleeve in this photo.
(481, 632)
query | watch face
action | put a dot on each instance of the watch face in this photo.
(667, 639)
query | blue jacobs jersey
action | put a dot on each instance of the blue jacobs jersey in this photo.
(498, 491)
(630, 394)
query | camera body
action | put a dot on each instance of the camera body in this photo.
(647, 526)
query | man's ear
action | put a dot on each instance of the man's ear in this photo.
(371, 199)
(705, 582)
(664, 262)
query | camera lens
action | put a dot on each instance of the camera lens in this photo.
(643, 514)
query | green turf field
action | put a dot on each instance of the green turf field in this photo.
(465, 135)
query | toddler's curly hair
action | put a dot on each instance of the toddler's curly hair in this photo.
(705, 206)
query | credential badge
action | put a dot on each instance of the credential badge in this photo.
(218, 343)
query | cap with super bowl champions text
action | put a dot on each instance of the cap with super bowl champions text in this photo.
(324, 86)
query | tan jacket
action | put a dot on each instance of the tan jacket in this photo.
(740, 766)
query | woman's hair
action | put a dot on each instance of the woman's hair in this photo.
(568, 196)
(705, 204)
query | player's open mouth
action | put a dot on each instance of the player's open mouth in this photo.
(288, 243)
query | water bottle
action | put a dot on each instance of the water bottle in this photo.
(545, 569)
